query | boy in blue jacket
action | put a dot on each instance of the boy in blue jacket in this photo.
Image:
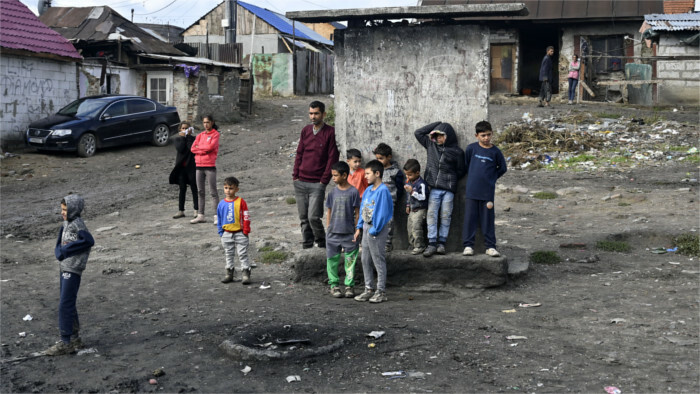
(72, 251)
(376, 211)
(485, 164)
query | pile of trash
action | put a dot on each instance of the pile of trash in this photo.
(585, 142)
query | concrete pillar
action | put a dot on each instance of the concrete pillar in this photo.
(391, 80)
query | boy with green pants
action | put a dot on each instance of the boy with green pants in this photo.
(343, 204)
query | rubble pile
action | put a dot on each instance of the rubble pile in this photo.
(583, 141)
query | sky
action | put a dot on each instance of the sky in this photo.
(183, 13)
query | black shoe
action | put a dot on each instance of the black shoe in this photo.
(305, 246)
(321, 244)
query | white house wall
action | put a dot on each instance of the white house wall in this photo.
(125, 80)
(32, 88)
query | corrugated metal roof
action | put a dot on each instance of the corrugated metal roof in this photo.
(673, 22)
(96, 24)
(168, 33)
(192, 60)
(284, 25)
(21, 29)
(569, 9)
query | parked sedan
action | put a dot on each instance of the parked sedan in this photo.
(95, 122)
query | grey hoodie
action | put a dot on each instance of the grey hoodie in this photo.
(74, 240)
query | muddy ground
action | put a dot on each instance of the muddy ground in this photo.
(151, 297)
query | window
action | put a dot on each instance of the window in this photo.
(213, 84)
(608, 53)
(159, 86)
(158, 91)
(140, 106)
(116, 109)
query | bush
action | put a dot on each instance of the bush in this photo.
(613, 246)
(330, 115)
(688, 244)
(291, 200)
(544, 257)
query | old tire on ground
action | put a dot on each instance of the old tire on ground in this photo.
(160, 135)
(87, 145)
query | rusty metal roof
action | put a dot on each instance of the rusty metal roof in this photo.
(553, 10)
(673, 22)
(103, 24)
(21, 29)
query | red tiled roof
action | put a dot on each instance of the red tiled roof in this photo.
(678, 6)
(21, 29)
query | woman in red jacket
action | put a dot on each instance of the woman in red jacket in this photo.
(206, 149)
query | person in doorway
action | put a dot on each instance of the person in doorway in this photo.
(206, 150)
(316, 153)
(184, 172)
(574, 68)
(546, 77)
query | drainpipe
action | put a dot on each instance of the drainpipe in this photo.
(294, 58)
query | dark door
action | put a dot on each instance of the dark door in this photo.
(501, 68)
(113, 121)
(141, 119)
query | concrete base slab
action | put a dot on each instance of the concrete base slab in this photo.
(405, 269)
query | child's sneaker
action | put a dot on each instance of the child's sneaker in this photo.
(59, 349)
(388, 248)
(228, 278)
(216, 220)
(492, 252)
(179, 214)
(441, 249)
(468, 251)
(417, 250)
(378, 297)
(199, 219)
(349, 292)
(429, 251)
(335, 292)
(246, 277)
(365, 296)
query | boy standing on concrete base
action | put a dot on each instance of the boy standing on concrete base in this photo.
(343, 204)
(376, 212)
(485, 164)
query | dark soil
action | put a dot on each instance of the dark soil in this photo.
(151, 296)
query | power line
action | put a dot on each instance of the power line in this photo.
(171, 3)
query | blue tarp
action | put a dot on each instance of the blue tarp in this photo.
(284, 25)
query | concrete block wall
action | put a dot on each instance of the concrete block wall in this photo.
(391, 80)
(32, 88)
(192, 99)
(681, 85)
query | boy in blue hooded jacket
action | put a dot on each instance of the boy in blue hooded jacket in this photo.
(72, 251)
(376, 211)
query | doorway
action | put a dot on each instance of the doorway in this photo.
(534, 41)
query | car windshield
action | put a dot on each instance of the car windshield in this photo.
(83, 108)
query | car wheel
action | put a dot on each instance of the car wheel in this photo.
(87, 145)
(160, 135)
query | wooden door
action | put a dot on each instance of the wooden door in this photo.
(502, 68)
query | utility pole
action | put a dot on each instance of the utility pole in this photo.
(231, 12)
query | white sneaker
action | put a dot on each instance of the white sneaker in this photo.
(492, 252)
(199, 219)
(468, 251)
(216, 220)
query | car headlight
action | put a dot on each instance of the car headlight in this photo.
(61, 132)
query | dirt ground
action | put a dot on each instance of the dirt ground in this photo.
(151, 297)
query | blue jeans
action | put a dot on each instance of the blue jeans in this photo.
(572, 88)
(68, 323)
(439, 206)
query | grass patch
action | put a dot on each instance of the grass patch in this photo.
(267, 248)
(694, 158)
(544, 257)
(609, 116)
(579, 159)
(613, 246)
(545, 195)
(623, 204)
(688, 244)
(273, 257)
(291, 200)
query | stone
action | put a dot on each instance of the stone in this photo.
(520, 189)
(108, 228)
(571, 190)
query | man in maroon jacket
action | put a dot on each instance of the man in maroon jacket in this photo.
(316, 153)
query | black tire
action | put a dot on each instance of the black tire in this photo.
(87, 145)
(161, 134)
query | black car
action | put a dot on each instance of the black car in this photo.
(101, 121)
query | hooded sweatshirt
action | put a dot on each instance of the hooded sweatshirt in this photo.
(445, 164)
(74, 240)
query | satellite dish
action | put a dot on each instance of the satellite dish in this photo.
(43, 6)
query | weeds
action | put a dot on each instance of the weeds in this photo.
(545, 195)
(267, 248)
(613, 246)
(544, 257)
(688, 244)
(579, 159)
(291, 200)
(273, 257)
(330, 115)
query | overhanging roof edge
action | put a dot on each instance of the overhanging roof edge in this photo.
(433, 11)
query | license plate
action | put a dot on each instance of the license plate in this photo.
(37, 140)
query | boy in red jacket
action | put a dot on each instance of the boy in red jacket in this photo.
(233, 222)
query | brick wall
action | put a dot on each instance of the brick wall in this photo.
(32, 88)
(678, 6)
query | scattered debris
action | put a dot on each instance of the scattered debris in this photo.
(158, 372)
(152, 381)
(589, 259)
(265, 286)
(90, 350)
(376, 334)
(394, 373)
(27, 318)
(515, 337)
(22, 334)
(612, 390)
(618, 320)
(508, 311)
(293, 378)
(246, 370)
(529, 305)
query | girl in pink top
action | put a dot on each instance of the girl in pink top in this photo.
(573, 78)
(206, 149)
